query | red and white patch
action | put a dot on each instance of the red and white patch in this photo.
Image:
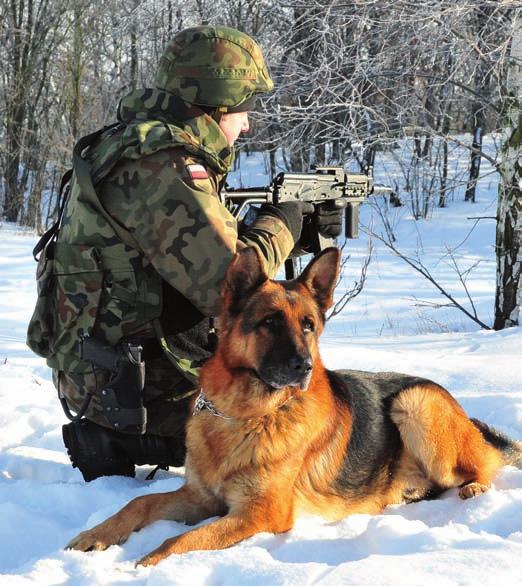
(197, 172)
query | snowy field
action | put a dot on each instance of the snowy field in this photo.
(44, 502)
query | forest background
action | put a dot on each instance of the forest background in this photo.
(353, 79)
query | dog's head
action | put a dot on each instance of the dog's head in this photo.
(270, 329)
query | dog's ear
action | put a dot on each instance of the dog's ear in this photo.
(320, 276)
(244, 275)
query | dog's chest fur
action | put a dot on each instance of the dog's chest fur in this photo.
(227, 456)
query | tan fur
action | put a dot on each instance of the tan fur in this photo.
(277, 454)
(437, 432)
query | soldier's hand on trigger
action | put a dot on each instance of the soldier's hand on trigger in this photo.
(328, 217)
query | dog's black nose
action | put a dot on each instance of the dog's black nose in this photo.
(293, 370)
(301, 364)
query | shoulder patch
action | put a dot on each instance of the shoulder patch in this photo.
(197, 172)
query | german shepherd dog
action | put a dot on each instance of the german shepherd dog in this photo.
(275, 435)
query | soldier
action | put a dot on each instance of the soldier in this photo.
(141, 251)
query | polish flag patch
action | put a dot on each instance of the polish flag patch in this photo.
(197, 172)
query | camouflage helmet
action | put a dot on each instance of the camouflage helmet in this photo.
(213, 66)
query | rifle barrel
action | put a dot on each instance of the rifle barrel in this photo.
(381, 190)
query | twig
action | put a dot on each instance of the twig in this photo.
(358, 285)
(462, 278)
(463, 241)
(424, 271)
(425, 303)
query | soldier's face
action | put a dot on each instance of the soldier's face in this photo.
(233, 124)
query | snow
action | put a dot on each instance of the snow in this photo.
(44, 501)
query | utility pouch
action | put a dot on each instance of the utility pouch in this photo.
(42, 326)
(121, 397)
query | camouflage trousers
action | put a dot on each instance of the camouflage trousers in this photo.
(167, 396)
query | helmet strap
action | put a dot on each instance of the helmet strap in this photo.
(215, 113)
(218, 114)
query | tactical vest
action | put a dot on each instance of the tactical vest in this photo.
(92, 277)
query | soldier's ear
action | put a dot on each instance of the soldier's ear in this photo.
(320, 276)
(245, 273)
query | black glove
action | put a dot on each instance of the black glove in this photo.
(328, 217)
(290, 212)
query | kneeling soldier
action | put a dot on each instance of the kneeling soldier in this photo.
(129, 277)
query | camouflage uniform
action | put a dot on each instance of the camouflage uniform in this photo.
(158, 175)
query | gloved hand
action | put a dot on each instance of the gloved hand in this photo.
(290, 212)
(328, 217)
(326, 221)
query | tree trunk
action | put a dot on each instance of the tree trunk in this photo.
(474, 170)
(134, 50)
(444, 175)
(509, 215)
(482, 80)
(17, 90)
(76, 71)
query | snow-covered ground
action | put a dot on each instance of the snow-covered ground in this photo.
(44, 502)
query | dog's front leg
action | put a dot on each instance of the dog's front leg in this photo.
(221, 534)
(184, 505)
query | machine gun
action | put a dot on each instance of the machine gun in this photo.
(325, 184)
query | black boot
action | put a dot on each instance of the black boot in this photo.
(98, 451)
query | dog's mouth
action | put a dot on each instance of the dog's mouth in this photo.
(275, 381)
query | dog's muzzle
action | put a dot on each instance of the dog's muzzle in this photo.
(295, 372)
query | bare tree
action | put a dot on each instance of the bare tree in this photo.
(351, 78)
(509, 214)
(30, 32)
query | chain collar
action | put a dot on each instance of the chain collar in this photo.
(203, 403)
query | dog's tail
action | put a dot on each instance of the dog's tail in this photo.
(511, 450)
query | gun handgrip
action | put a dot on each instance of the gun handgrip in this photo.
(351, 220)
(99, 354)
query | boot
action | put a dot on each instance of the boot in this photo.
(98, 451)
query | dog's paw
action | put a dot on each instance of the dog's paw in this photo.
(147, 560)
(95, 540)
(167, 548)
(472, 489)
(151, 559)
(413, 495)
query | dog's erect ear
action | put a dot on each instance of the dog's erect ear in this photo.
(244, 275)
(320, 276)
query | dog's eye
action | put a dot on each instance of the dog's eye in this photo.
(267, 322)
(308, 325)
(271, 321)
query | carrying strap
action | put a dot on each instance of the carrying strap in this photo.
(53, 230)
(63, 401)
(82, 173)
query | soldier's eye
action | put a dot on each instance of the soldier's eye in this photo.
(308, 325)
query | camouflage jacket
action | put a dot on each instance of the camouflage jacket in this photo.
(158, 175)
